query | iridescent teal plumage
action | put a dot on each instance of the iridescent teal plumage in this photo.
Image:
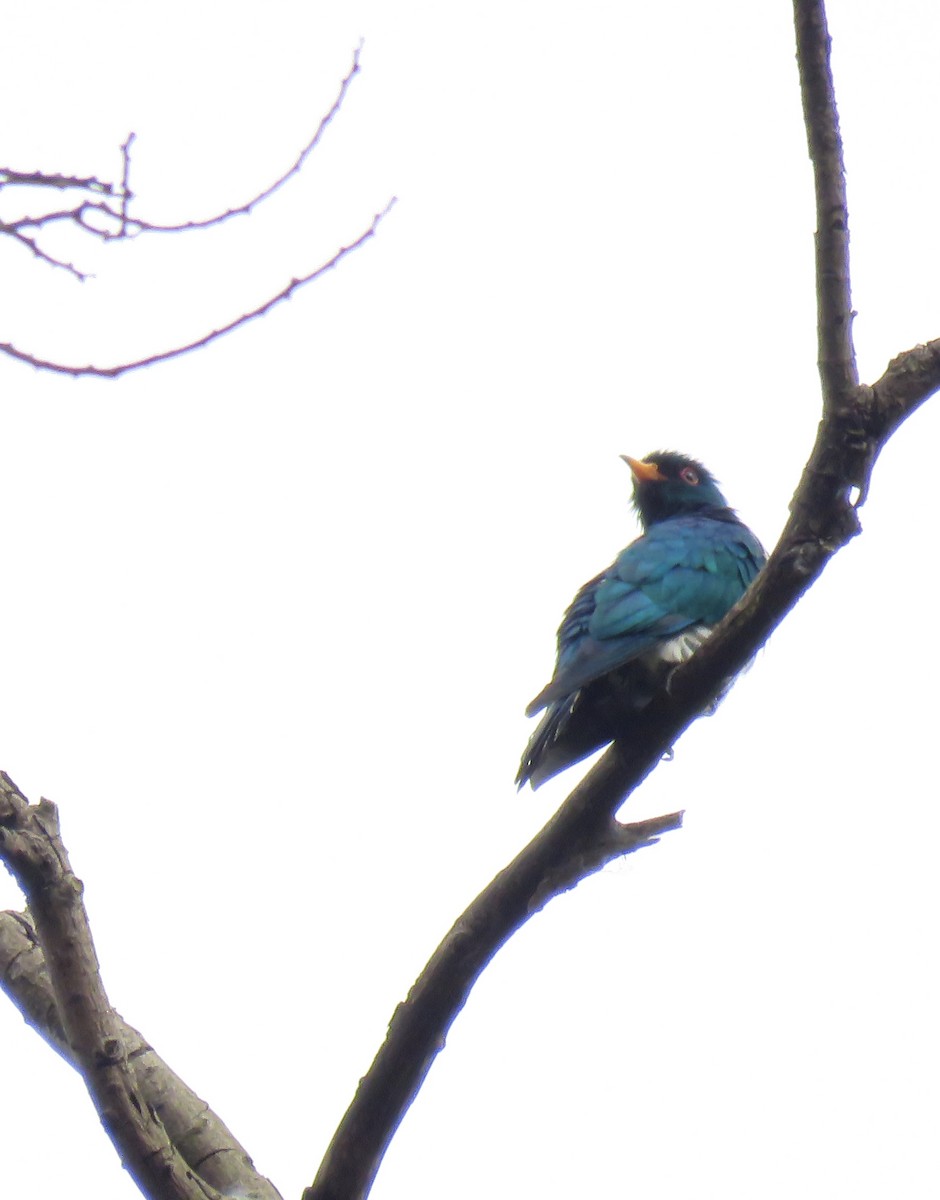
(651, 608)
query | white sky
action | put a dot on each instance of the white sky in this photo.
(273, 612)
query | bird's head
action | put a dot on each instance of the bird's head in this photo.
(666, 484)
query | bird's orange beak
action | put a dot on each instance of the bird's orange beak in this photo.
(643, 472)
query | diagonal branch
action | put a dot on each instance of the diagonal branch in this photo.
(32, 848)
(204, 1142)
(571, 845)
(118, 196)
(100, 209)
(857, 421)
(249, 205)
(14, 230)
(285, 294)
(419, 1026)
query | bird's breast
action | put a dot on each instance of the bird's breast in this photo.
(679, 648)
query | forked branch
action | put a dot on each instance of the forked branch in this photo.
(857, 421)
(176, 351)
(100, 209)
(173, 1145)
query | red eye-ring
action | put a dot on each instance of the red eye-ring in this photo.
(689, 475)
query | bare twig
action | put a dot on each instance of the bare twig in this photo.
(100, 210)
(88, 183)
(121, 193)
(204, 1142)
(177, 351)
(244, 209)
(14, 229)
(126, 194)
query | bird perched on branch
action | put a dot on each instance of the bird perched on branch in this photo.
(650, 610)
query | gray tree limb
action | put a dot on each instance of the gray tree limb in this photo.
(171, 1143)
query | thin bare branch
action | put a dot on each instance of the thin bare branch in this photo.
(87, 183)
(115, 208)
(202, 1139)
(837, 367)
(102, 212)
(14, 229)
(285, 294)
(126, 194)
(76, 215)
(249, 205)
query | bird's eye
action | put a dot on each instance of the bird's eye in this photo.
(689, 475)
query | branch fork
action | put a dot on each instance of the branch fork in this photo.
(49, 967)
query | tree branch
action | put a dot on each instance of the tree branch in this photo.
(32, 848)
(419, 1025)
(116, 197)
(285, 294)
(249, 205)
(202, 1139)
(837, 367)
(857, 421)
(14, 229)
(101, 211)
(204, 1142)
(90, 183)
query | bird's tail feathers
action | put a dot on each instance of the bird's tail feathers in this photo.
(538, 761)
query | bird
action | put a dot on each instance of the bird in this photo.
(631, 625)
